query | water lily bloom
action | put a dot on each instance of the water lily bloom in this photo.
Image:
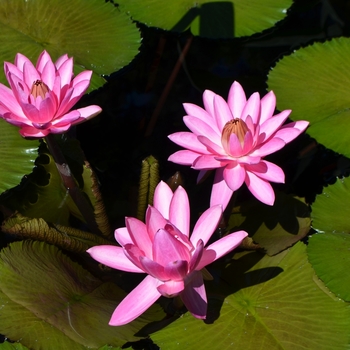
(41, 96)
(163, 248)
(233, 137)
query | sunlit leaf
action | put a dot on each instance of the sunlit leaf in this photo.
(313, 82)
(82, 28)
(264, 303)
(208, 18)
(12, 346)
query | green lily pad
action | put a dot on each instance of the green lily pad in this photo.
(276, 227)
(208, 18)
(50, 302)
(313, 82)
(12, 346)
(13, 146)
(329, 255)
(98, 36)
(331, 210)
(262, 302)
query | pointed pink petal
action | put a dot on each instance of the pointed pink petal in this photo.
(28, 131)
(89, 112)
(67, 119)
(199, 127)
(260, 188)
(134, 254)
(198, 112)
(221, 247)
(207, 162)
(268, 105)
(154, 221)
(173, 230)
(114, 257)
(270, 126)
(220, 193)
(234, 147)
(61, 60)
(247, 143)
(30, 74)
(122, 236)
(197, 255)
(139, 235)
(136, 302)
(179, 211)
(171, 288)
(188, 140)
(8, 99)
(222, 112)
(194, 296)
(210, 146)
(167, 248)
(236, 99)
(290, 131)
(65, 71)
(162, 198)
(269, 147)
(208, 101)
(234, 175)
(206, 225)
(153, 268)
(43, 58)
(176, 270)
(184, 157)
(48, 74)
(20, 60)
(252, 108)
(267, 171)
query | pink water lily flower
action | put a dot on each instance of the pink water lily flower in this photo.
(163, 248)
(41, 96)
(233, 137)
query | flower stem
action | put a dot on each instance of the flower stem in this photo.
(71, 185)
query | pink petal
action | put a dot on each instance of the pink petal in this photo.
(167, 248)
(198, 112)
(43, 59)
(61, 60)
(268, 105)
(194, 296)
(139, 235)
(59, 129)
(269, 147)
(206, 225)
(29, 131)
(68, 118)
(207, 162)
(236, 99)
(252, 108)
(122, 236)
(65, 71)
(197, 255)
(261, 189)
(290, 131)
(48, 74)
(221, 247)
(89, 112)
(234, 147)
(210, 147)
(136, 302)
(171, 288)
(208, 101)
(176, 270)
(134, 254)
(154, 269)
(114, 257)
(199, 127)
(222, 112)
(184, 157)
(234, 175)
(188, 140)
(20, 60)
(7, 99)
(154, 221)
(270, 126)
(267, 171)
(220, 193)
(247, 143)
(179, 211)
(30, 74)
(162, 198)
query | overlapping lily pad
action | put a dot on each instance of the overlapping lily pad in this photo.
(208, 18)
(314, 83)
(94, 32)
(49, 302)
(264, 303)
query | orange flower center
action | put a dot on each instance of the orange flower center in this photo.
(39, 88)
(234, 126)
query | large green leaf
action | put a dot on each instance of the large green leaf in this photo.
(14, 147)
(314, 82)
(209, 18)
(276, 227)
(12, 346)
(329, 254)
(264, 303)
(331, 210)
(50, 302)
(94, 32)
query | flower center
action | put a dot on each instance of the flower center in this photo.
(235, 126)
(39, 88)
